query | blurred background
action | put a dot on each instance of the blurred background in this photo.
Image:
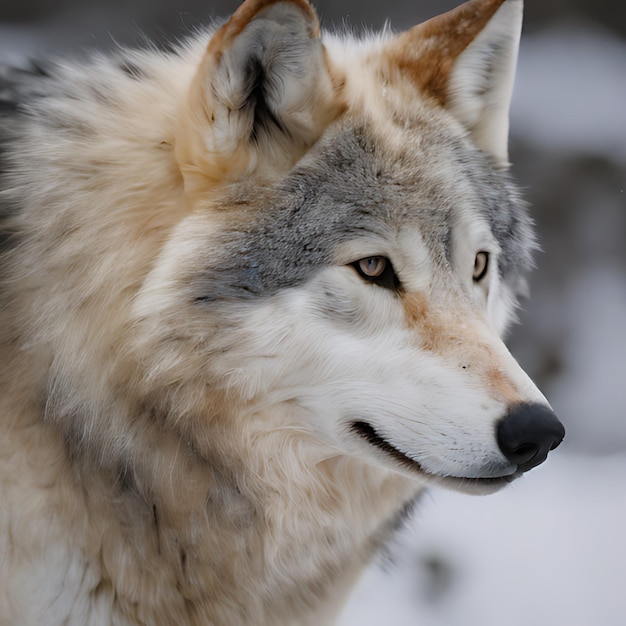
(551, 549)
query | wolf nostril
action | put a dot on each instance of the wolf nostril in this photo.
(527, 433)
(523, 454)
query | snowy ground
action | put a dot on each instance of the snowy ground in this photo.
(547, 551)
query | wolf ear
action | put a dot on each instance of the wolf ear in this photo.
(466, 60)
(263, 93)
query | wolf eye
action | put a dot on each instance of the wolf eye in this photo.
(481, 265)
(373, 266)
(377, 270)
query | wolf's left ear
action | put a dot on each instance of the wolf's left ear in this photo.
(263, 93)
(466, 60)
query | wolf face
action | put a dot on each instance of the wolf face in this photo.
(365, 287)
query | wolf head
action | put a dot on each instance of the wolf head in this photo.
(354, 248)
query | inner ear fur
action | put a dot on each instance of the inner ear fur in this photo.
(263, 94)
(465, 61)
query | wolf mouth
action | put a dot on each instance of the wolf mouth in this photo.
(367, 432)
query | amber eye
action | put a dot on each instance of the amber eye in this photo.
(373, 266)
(481, 266)
(377, 270)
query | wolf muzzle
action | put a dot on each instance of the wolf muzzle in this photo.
(527, 433)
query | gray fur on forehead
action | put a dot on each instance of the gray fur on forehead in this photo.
(352, 184)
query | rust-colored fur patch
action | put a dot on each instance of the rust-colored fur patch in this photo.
(426, 53)
(449, 335)
(224, 37)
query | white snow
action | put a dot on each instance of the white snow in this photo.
(547, 551)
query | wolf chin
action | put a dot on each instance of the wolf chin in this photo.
(253, 292)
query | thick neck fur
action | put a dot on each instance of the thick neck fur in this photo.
(170, 535)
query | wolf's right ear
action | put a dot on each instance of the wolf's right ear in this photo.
(264, 92)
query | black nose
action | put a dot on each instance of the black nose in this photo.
(527, 433)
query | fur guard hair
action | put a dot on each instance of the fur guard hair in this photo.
(252, 297)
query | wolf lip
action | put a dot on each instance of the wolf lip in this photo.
(366, 431)
(461, 483)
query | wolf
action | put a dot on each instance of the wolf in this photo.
(254, 290)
